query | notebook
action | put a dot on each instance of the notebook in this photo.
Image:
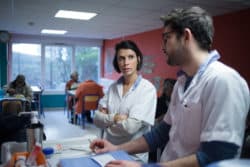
(96, 160)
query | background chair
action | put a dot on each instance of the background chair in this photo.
(90, 103)
(36, 103)
(12, 105)
(70, 101)
(65, 106)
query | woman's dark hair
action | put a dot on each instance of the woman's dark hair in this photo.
(127, 45)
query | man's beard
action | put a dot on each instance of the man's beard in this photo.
(175, 59)
(178, 57)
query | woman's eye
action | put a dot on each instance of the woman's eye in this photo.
(131, 57)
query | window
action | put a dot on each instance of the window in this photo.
(87, 63)
(57, 66)
(26, 59)
(51, 65)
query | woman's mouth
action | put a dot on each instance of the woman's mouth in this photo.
(126, 69)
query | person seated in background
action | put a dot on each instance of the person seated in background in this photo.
(128, 108)
(88, 87)
(164, 100)
(161, 109)
(18, 88)
(72, 84)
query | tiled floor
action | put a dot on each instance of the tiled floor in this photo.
(56, 126)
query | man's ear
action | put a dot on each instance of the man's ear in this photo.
(187, 34)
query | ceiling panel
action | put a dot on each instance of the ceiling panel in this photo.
(115, 17)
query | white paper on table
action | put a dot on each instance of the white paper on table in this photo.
(103, 159)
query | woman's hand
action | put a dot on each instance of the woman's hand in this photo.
(103, 110)
(11, 91)
(120, 117)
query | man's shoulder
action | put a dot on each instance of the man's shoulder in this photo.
(222, 71)
(220, 74)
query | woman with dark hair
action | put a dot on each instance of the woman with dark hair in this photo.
(164, 100)
(128, 108)
(18, 88)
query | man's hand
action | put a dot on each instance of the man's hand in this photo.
(122, 163)
(102, 146)
(120, 117)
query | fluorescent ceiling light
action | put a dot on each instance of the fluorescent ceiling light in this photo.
(68, 14)
(49, 31)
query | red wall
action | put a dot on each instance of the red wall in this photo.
(232, 35)
(150, 45)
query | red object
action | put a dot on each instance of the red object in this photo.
(88, 87)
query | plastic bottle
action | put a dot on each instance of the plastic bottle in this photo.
(31, 160)
(20, 162)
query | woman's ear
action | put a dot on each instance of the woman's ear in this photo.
(138, 60)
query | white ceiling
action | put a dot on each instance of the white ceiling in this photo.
(116, 18)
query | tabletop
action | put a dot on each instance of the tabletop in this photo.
(63, 148)
(35, 89)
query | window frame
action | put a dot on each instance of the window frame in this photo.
(52, 41)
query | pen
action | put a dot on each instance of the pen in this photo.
(89, 152)
(79, 149)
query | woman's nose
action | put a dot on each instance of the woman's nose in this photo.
(126, 61)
